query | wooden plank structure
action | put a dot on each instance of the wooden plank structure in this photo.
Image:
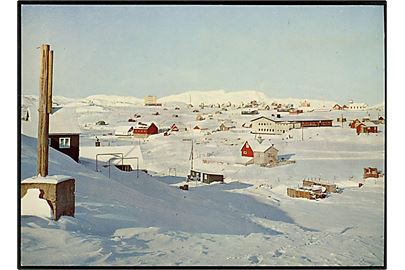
(306, 193)
(298, 193)
(329, 187)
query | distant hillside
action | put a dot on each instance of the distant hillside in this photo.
(196, 98)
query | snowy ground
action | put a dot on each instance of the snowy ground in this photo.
(147, 220)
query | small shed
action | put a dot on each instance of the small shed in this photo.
(199, 117)
(205, 176)
(101, 123)
(225, 126)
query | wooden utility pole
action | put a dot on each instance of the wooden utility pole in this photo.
(45, 86)
(50, 80)
(302, 132)
(192, 154)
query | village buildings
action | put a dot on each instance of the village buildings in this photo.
(351, 106)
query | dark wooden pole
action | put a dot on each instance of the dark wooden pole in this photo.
(43, 116)
(50, 79)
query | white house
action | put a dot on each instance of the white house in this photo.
(357, 106)
(124, 130)
(271, 126)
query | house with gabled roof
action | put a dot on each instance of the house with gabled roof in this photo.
(64, 132)
(263, 154)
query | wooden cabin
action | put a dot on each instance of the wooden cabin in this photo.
(64, 132)
(225, 126)
(145, 129)
(362, 128)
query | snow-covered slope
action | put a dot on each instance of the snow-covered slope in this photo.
(214, 97)
(111, 100)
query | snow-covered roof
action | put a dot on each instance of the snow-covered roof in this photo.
(288, 118)
(144, 125)
(64, 121)
(210, 168)
(50, 179)
(259, 147)
(358, 104)
(123, 130)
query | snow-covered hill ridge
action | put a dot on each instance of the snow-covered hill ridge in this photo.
(196, 98)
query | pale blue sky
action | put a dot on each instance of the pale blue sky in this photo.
(324, 52)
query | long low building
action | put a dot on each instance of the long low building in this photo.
(278, 126)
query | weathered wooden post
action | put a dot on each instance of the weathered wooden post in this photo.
(43, 117)
(50, 80)
(57, 190)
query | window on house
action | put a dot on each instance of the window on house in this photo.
(64, 142)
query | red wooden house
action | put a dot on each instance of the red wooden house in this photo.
(315, 123)
(337, 107)
(354, 123)
(145, 129)
(247, 150)
(359, 128)
(362, 128)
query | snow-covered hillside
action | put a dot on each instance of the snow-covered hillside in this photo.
(130, 219)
